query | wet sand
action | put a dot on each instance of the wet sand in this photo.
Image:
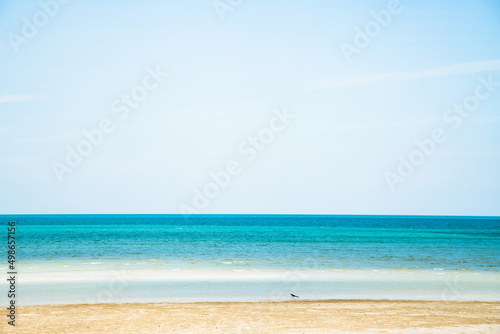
(297, 316)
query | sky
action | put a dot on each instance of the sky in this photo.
(250, 107)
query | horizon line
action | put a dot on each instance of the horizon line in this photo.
(241, 214)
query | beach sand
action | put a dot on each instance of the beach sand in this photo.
(297, 316)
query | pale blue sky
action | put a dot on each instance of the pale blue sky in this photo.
(353, 120)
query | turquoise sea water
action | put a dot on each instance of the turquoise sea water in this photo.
(115, 258)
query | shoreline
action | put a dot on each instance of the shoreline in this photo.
(304, 316)
(270, 301)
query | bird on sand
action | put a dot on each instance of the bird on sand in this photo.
(294, 296)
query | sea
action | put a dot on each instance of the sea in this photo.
(81, 259)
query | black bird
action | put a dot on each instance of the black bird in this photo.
(294, 296)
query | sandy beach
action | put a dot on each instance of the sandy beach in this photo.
(297, 316)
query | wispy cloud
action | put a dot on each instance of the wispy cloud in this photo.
(371, 125)
(21, 97)
(488, 119)
(467, 154)
(463, 68)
